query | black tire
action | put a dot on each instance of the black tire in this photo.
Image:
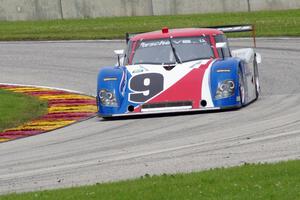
(241, 87)
(256, 79)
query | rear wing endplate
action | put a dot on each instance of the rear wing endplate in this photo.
(237, 29)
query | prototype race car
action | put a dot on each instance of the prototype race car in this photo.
(179, 70)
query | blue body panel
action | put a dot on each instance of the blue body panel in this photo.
(230, 67)
(118, 86)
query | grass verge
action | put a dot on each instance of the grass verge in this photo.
(16, 109)
(269, 23)
(262, 181)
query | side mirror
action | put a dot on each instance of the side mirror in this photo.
(119, 53)
(258, 58)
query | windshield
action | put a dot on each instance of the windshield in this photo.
(160, 51)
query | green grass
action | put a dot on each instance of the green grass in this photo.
(263, 181)
(269, 23)
(16, 109)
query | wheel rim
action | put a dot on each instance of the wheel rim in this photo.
(257, 85)
(242, 94)
(242, 89)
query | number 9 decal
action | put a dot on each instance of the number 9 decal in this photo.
(145, 86)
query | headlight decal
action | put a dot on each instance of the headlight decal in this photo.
(225, 89)
(107, 98)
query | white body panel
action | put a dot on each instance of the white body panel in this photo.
(248, 56)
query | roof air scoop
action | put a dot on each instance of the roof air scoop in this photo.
(169, 67)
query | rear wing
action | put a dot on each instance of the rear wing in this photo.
(237, 29)
(224, 29)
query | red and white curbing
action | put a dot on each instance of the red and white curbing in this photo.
(65, 107)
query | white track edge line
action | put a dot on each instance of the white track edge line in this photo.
(46, 87)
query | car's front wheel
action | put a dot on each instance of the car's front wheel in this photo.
(256, 79)
(241, 88)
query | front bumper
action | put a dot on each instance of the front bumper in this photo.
(157, 112)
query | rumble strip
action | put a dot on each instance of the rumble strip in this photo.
(64, 108)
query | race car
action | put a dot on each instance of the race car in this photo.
(179, 70)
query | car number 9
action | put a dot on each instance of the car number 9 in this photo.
(145, 86)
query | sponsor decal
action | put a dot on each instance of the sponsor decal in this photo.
(176, 41)
(223, 70)
(139, 69)
(110, 79)
(155, 43)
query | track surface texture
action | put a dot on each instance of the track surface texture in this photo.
(98, 151)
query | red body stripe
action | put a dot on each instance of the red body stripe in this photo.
(189, 88)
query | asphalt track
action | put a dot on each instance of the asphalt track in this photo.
(97, 151)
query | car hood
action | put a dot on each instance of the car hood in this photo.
(152, 84)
